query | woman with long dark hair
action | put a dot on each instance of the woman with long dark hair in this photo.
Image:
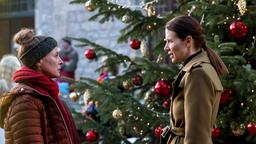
(197, 87)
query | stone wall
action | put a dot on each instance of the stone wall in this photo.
(58, 18)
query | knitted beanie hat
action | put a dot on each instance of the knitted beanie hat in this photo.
(33, 48)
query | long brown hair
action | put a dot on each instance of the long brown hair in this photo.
(185, 26)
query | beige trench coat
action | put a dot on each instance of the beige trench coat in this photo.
(195, 102)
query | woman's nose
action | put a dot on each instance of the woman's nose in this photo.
(166, 48)
(60, 61)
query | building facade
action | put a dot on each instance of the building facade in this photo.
(14, 14)
(58, 19)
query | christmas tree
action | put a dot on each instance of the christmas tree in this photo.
(131, 106)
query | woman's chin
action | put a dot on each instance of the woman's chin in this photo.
(57, 76)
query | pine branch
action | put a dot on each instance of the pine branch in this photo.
(99, 48)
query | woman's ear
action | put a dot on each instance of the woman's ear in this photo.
(189, 41)
(38, 65)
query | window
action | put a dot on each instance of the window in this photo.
(10, 6)
(14, 15)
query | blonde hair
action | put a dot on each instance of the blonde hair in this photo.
(8, 65)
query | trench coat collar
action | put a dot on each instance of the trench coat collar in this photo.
(198, 59)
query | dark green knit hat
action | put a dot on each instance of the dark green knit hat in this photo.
(37, 50)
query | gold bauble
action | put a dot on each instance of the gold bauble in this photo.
(117, 114)
(150, 10)
(89, 5)
(237, 129)
(127, 85)
(74, 96)
(241, 4)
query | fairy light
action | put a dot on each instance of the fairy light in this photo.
(135, 128)
(254, 40)
(141, 132)
(191, 10)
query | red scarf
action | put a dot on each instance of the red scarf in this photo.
(45, 86)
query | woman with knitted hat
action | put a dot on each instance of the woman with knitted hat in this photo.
(33, 112)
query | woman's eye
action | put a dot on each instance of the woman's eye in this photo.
(168, 41)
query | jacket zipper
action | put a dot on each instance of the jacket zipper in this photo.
(60, 114)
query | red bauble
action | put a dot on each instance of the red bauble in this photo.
(162, 88)
(238, 29)
(137, 80)
(226, 96)
(216, 132)
(135, 44)
(90, 54)
(166, 104)
(251, 127)
(91, 135)
(157, 132)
